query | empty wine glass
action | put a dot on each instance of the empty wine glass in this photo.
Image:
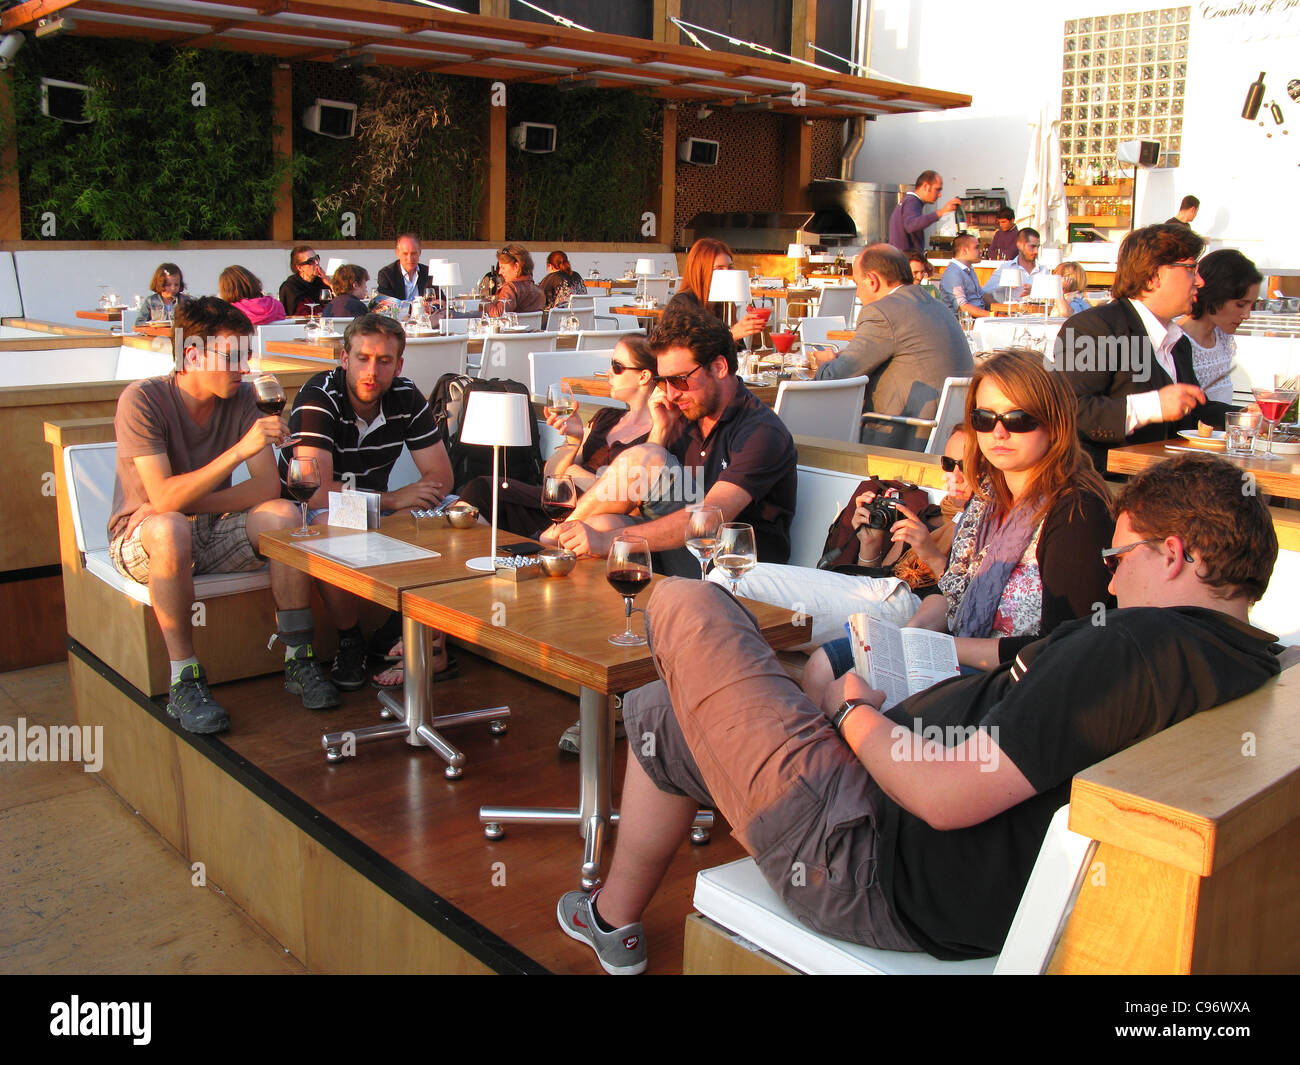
(702, 524)
(303, 482)
(735, 552)
(628, 570)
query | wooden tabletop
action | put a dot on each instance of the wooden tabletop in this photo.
(1278, 477)
(561, 625)
(114, 314)
(608, 283)
(839, 334)
(385, 584)
(640, 312)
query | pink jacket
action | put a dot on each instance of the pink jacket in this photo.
(262, 309)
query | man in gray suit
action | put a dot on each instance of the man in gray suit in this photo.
(907, 343)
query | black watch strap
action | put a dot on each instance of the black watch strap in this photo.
(848, 706)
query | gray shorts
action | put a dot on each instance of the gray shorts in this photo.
(218, 543)
(728, 727)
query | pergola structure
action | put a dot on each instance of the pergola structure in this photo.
(503, 50)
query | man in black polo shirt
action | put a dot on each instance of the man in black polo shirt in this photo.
(712, 441)
(916, 829)
(355, 421)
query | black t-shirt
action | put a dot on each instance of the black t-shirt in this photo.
(1067, 701)
(751, 448)
(295, 292)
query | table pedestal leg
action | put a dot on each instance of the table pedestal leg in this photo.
(412, 717)
(594, 813)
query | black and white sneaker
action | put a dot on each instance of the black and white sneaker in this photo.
(349, 671)
(305, 676)
(191, 703)
(620, 952)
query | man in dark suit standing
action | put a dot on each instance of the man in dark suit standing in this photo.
(407, 277)
(1128, 361)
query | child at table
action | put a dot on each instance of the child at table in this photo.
(167, 292)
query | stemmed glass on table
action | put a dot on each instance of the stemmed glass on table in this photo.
(269, 392)
(303, 482)
(702, 523)
(560, 399)
(311, 330)
(736, 552)
(1273, 403)
(628, 570)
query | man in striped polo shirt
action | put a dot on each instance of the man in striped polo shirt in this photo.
(354, 421)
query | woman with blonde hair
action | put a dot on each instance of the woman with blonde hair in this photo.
(1074, 283)
(705, 256)
(517, 294)
(1026, 555)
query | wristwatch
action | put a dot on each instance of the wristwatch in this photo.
(848, 706)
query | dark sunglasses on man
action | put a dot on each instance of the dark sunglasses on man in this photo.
(1014, 421)
(310, 262)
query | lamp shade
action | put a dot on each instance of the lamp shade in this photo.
(499, 418)
(444, 274)
(796, 251)
(1010, 277)
(645, 267)
(1046, 287)
(332, 266)
(729, 286)
(1049, 257)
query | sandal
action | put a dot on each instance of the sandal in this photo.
(394, 676)
(384, 637)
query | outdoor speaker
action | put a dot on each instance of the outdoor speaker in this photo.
(64, 100)
(535, 137)
(698, 152)
(1139, 153)
(331, 118)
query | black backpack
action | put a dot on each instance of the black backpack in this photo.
(447, 402)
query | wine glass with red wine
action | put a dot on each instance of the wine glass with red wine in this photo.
(559, 494)
(269, 393)
(303, 482)
(628, 570)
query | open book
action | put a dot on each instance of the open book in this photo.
(900, 662)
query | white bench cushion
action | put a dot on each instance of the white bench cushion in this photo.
(208, 586)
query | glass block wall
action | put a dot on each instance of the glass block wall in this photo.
(1122, 79)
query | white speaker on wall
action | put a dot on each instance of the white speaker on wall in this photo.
(1145, 154)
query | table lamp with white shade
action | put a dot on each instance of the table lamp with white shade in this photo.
(446, 275)
(1010, 277)
(797, 252)
(495, 419)
(1046, 289)
(729, 287)
(644, 268)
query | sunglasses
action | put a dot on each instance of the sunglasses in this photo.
(1013, 421)
(616, 367)
(681, 381)
(949, 464)
(310, 262)
(1111, 556)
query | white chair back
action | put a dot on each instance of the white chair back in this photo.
(831, 409)
(427, 358)
(456, 326)
(837, 300)
(606, 319)
(547, 367)
(659, 287)
(951, 411)
(91, 470)
(505, 355)
(814, 330)
(586, 317)
(601, 338)
(582, 301)
(531, 320)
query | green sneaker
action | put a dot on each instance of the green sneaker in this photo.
(191, 703)
(304, 676)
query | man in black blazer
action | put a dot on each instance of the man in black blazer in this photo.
(407, 277)
(1127, 361)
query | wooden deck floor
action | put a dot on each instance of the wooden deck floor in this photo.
(395, 801)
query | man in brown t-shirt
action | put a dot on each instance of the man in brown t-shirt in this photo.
(176, 513)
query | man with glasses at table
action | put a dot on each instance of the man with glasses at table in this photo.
(711, 442)
(869, 829)
(1128, 361)
(307, 284)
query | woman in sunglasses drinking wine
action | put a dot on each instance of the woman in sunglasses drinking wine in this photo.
(1026, 555)
(586, 450)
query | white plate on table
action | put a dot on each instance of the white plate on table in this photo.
(1286, 447)
(1216, 441)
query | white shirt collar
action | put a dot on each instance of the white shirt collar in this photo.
(1163, 337)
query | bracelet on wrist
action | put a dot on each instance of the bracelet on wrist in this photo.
(870, 561)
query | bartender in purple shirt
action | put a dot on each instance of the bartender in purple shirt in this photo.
(1003, 245)
(908, 223)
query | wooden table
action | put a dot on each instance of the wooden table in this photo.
(643, 315)
(411, 718)
(1279, 477)
(113, 314)
(562, 626)
(609, 284)
(599, 386)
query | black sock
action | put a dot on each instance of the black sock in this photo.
(601, 923)
(353, 633)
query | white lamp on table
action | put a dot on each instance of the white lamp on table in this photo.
(1009, 277)
(798, 253)
(729, 287)
(496, 419)
(446, 275)
(644, 268)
